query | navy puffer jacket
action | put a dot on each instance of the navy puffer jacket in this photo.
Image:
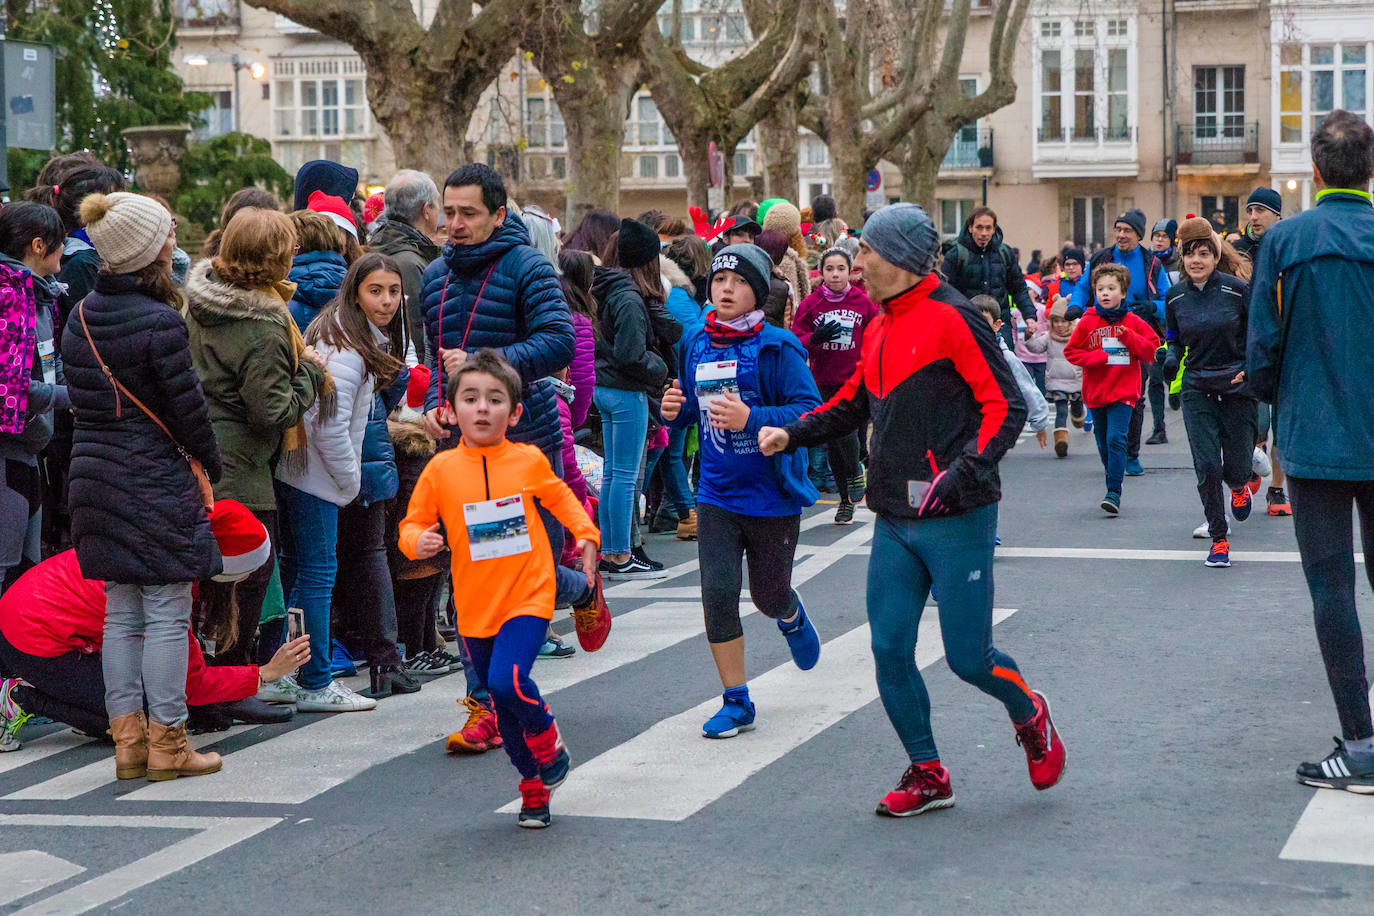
(318, 275)
(522, 315)
(379, 455)
(137, 517)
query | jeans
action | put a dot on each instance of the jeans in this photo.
(1323, 527)
(1221, 435)
(1066, 404)
(362, 591)
(672, 473)
(501, 664)
(955, 555)
(21, 505)
(624, 424)
(768, 544)
(309, 536)
(1111, 424)
(417, 603)
(144, 649)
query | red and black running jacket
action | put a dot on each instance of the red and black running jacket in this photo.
(942, 400)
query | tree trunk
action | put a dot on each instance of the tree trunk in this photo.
(849, 182)
(424, 118)
(777, 143)
(594, 109)
(693, 150)
(925, 151)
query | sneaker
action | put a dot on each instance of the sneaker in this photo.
(1340, 770)
(12, 718)
(553, 647)
(388, 680)
(1260, 465)
(1241, 503)
(283, 690)
(593, 620)
(1111, 503)
(333, 697)
(454, 662)
(551, 755)
(1158, 437)
(534, 804)
(923, 787)
(1040, 740)
(426, 664)
(639, 554)
(1254, 483)
(735, 716)
(630, 569)
(858, 485)
(844, 515)
(1220, 554)
(997, 540)
(1278, 502)
(1087, 423)
(479, 734)
(1204, 531)
(1133, 468)
(802, 638)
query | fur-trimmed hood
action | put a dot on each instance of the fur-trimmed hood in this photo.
(212, 301)
(410, 438)
(673, 274)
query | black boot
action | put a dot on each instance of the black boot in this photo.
(390, 679)
(256, 712)
(1158, 437)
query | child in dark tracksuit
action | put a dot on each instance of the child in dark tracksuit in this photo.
(739, 374)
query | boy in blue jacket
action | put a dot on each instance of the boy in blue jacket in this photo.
(743, 374)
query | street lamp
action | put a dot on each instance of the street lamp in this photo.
(256, 71)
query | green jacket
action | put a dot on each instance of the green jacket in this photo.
(242, 347)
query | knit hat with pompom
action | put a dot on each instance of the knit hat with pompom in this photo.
(127, 230)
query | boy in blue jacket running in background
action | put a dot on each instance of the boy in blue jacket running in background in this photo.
(742, 374)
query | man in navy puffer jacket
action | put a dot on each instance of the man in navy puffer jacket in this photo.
(492, 289)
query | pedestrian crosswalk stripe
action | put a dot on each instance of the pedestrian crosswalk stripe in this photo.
(1334, 827)
(40, 748)
(670, 772)
(28, 871)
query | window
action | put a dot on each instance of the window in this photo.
(815, 189)
(219, 117)
(952, 216)
(672, 166)
(1116, 28)
(1290, 94)
(1089, 221)
(817, 153)
(741, 164)
(1049, 29)
(963, 150)
(1218, 102)
(1228, 205)
(647, 116)
(1314, 79)
(207, 14)
(543, 123)
(1051, 96)
(1083, 92)
(1353, 91)
(560, 167)
(1118, 104)
(321, 98)
(648, 166)
(1085, 80)
(1083, 28)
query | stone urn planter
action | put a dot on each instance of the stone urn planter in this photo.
(156, 151)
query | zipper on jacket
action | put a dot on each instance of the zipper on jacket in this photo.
(934, 468)
(485, 480)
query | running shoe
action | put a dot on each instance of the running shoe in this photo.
(479, 735)
(630, 569)
(1133, 468)
(1204, 531)
(1111, 503)
(1039, 739)
(1340, 770)
(1220, 555)
(333, 697)
(12, 718)
(1253, 484)
(454, 662)
(593, 620)
(1087, 423)
(844, 515)
(534, 804)
(858, 485)
(425, 664)
(553, 647)
(1260, 465)
(283, 690)
(735, 716)
(639, 554)
(802, 638)
(1241, 503)
(923, 787)
(551, 755)
(1278, 502)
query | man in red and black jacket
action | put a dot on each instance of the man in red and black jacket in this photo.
(945, 408)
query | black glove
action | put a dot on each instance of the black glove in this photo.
(826, 331)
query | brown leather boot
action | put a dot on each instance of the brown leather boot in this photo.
(687, 528)
(130, 733)
(169, 756)
(1061, 442)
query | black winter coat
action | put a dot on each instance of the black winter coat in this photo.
(627, 346)
(989, 271)
(137, 517)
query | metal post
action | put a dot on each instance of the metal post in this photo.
(238, 105)
(4, 128)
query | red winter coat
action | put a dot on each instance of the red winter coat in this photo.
(1104, 384)
(53, 610)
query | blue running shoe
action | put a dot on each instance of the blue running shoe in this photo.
(802, 638)
(1241, 503)
(1133, 468)
(736, 715)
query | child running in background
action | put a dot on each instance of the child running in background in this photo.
(830, 325)
(745, 374)
(1037, 410)
(481, 493)
(1110, 343)
(1063, 380)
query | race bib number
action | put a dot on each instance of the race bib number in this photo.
(497, 528)
(846, 339)
(1117, 354)
(48, 357)
(716, 379)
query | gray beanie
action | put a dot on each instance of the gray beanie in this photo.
(904, 236)
(749, 261)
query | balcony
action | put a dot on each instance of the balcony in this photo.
(207, 16)
(1091, 152)
(1218, 150)
(969, 154)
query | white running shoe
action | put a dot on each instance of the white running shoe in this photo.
(283, 690)
(12, 718)
(1203, 532)
(334, 697)
(1260, 464)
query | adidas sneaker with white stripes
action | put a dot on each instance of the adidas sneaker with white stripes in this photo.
(1340, 770)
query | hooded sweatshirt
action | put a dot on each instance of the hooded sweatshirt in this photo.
(833, 362)
(1116, 382)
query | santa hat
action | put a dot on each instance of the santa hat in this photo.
(336, 208)
(417, 386)
(373, 207)
(242, 539)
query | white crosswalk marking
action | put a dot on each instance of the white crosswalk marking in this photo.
(669, 772)
(1334, 827)
(29, 871)
(40, 748)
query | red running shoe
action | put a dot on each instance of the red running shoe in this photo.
(479, 735)
(923, 787)
(593, 620)
(1044, 750)
(534, 804)
(1254, 484)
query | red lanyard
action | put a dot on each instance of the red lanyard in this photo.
(471, 315)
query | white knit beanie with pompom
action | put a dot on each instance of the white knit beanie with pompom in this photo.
(127, 230)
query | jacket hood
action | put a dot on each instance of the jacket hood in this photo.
(674, 274)
(469, 259)
(318, 275)
(966, 239)
(392, 236)
(213, 301)
(410, 438)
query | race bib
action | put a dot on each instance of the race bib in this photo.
(1117, 354)
(48, 357)
(497, 528)
(846, 339)
(716, 379)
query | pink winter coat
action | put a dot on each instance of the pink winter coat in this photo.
(582, 369)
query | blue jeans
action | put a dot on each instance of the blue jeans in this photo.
(501, 664)
(677, 488)
(624, 424)
(1111, 427)
(954, 555)
(309, 538)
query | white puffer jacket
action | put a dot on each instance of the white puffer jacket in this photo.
(334, 446)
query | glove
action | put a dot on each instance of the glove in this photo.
(826, 331)
(938, 502)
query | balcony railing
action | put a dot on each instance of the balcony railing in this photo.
(207, 14)
(1213, 144)
(971, 150)
(1119, 133)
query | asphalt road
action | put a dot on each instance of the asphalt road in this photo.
(1185, 696)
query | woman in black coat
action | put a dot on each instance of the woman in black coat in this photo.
(138, 516)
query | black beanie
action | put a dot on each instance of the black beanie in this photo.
(1136, 220)
(1267, 198)
(752, 263)
(1075, 254)
(323, 175)
(638, 244)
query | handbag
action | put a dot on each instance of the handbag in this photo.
(207, 493)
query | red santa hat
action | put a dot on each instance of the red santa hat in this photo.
(242, 539)
(336, 208)
(417, 386)
(374, 206)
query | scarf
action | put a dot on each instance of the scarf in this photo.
(1112, 316)
(832, 296)
(735, 330)
(294, 441)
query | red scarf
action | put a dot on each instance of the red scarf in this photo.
(735, 330)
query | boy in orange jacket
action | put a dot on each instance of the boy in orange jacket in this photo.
(1111, 343)
(482, 494)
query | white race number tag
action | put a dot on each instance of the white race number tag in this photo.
(497, 527)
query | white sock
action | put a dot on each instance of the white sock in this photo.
(1364, 747)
